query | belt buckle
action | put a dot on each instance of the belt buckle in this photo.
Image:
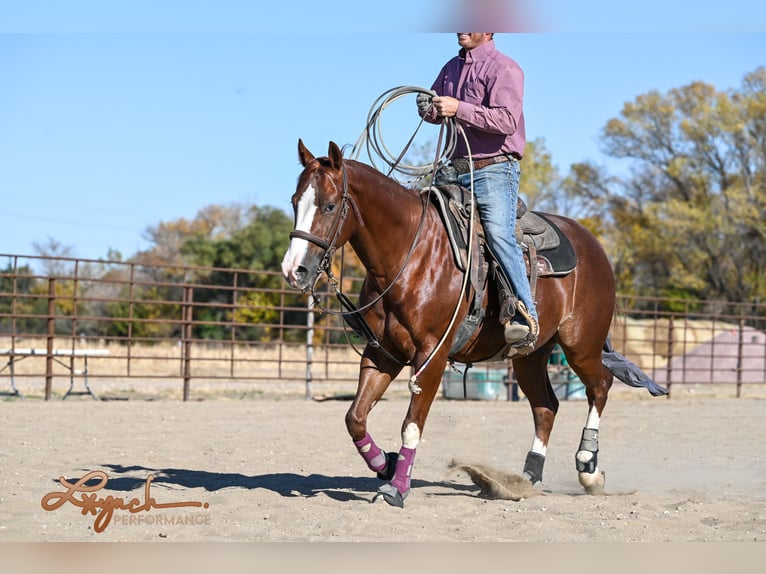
(461, 165)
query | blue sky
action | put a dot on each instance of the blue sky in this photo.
(115, 118)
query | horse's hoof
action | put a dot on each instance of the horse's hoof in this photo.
(532, 481)
(388, 472)
(593, 483)
(391, 495)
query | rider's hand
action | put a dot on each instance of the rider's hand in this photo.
(446, 107)
(425, 101)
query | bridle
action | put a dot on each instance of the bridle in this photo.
(329, 246)
(350, 311)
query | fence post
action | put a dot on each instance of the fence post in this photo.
(186, 336)
(233, 314)
(131, 303)
(740, 353)
(13, 305)
(51, 320)
(669, 367)
(309, 346)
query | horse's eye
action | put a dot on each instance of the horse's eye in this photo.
(329, 208)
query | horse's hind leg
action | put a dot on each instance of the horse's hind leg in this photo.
(532, 375)
(597, 380)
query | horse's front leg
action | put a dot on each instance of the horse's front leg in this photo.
(373, 382)
(395, 491)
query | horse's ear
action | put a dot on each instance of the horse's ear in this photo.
(304, 155)
(335, 155)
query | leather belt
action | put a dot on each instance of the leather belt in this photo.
(463, 165)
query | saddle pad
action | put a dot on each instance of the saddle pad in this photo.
(562, 258)
(551, 244)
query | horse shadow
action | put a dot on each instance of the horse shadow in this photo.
(287, 484)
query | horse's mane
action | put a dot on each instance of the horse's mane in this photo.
(412, 188)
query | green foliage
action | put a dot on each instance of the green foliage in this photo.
(259, 244)
(540, 179)
(148, 314)
(13, 298)
(228, 239)
(255, 316)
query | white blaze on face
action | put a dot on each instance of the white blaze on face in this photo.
(304, 218)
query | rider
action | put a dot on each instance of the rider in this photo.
(482, 89)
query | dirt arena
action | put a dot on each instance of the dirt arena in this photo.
(283, 469)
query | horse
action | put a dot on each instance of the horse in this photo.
(413, 287)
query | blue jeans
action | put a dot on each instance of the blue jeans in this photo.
(496, 188)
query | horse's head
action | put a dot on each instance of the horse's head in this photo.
(320, 203)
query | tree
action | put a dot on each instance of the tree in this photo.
(689, 219)
(256, 239)
(16, 284)
(211, 223)
(57, 257)
(540, 182)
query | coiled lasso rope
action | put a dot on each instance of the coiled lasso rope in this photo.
(371, 139)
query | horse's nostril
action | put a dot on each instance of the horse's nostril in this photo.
(301, 272)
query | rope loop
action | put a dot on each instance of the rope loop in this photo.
(371, 138)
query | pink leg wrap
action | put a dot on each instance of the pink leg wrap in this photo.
(404, 465)
(371, 453)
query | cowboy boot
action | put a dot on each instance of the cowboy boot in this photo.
(519, 334)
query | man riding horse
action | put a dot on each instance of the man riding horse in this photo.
(483, 89)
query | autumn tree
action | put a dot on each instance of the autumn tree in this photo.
(689, 218)
(169, 239)
(219, 241)
(540, 182)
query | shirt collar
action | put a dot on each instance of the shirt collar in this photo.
(477, 53)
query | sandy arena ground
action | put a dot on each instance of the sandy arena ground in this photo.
(284, 469)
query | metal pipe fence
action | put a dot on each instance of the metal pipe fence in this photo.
(64, 319)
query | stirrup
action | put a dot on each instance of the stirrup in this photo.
(534, 327)
(514, 331)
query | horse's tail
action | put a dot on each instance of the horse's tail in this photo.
(617, 316)
(628, 372)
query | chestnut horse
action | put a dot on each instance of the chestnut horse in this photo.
(411, 291)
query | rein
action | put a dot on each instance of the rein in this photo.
(325, 266)
(370, 136)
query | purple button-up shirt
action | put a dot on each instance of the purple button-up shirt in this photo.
(490, 87)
